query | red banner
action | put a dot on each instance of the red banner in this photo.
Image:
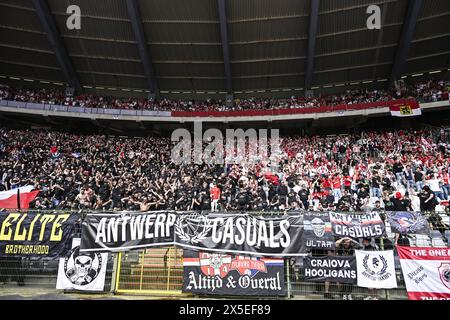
(426, 272)
(291, 111)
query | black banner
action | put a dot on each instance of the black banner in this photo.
(318, 233)
(218, 232)
(35, 235)
(112, 232)
(408, 222)
(231, 275)
(330, 268)
(366, 225)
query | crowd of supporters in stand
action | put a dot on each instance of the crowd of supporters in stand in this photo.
(424, 92)
(393, 170)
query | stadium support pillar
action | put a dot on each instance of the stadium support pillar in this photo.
(313, 18)
(70, 91)
(144, 53)
(56, 43)
(309, 93)
(409, 26)
(229, 100)
(225, 45)
(151, 96)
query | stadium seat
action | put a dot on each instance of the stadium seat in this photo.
(421, 240)
(397, 262)
(389, 232)
(445, 218)
(447, 236)
(436, 239)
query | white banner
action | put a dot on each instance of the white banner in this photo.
(376, 269)
(85, 271)
(426, 272)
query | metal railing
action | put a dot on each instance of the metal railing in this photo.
(39, 274)
(157, 271)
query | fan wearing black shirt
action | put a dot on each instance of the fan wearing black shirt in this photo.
(304, 196)
(346, 247)
(398, 170)
(283, 193)
(400, 204)
(363, 194)
(375, 186)
(428, 200)
(242, 199)
(346, 202)
(418, 177)
(205, 202)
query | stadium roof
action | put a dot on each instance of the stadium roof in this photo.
(221, 45)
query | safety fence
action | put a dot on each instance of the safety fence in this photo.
(151, 271)
(298, 288)
(39, 274)
(159, 271)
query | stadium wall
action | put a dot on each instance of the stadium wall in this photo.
(377, 108)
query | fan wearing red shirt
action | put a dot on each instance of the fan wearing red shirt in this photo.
(337, 188)
(347, 182)
(326, 184)
(215, 196)
(54, 151)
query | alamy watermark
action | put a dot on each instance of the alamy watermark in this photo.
(73, 22)
(242, 147)
(374, 20)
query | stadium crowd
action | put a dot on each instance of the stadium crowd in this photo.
(393, 170)
(423, 92)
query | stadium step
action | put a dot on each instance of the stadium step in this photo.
(150, 279)
(149, 286)
(152, 271)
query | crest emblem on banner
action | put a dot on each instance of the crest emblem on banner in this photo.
(444, 274)
(376, 266)
(192, 228)
(249, 266)
(405, 110)
(375, 269)
(82, 268)
(406, 222)
(214, 264)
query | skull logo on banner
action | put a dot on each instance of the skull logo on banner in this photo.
(318, 227)
(82, 269)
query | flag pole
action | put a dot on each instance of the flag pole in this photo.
(18, 198)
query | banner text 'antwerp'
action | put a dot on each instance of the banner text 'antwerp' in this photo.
(238, 233)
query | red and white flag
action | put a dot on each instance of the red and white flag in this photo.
(406, 109)
(426, 271)
(10, 199)
(425, 144)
